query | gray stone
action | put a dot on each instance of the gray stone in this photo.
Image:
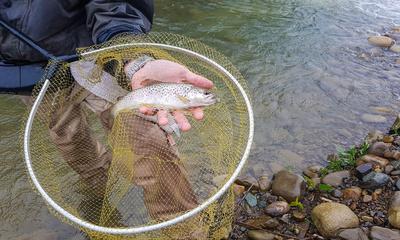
(260, 235)
(398, 184)
(395, 164)
(367, 198)
(277, 208)
(251, 199)
(395, 48)
(335, 179)
(374, 180)
(264, 183)
(394, 209)
(330, 217)
(363, 170)
(271, 223)
(373, 118)
(378, 148)
(288, 185)
(395, 173)
(353, 234)
(388, 169)
(380, 233)
(337, 193)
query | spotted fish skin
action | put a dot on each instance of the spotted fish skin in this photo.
(167, 96)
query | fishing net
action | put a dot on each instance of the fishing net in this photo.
(123, 177)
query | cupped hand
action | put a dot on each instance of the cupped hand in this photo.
(170, 72)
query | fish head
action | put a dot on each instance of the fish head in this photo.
(198, 97)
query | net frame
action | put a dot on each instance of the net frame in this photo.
(158, 226)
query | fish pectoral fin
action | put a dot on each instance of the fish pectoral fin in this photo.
(183, 98)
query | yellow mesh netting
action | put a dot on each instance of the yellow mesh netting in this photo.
(123, 172)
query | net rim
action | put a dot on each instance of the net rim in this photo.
(141, 229)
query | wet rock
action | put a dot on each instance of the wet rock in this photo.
(395, 48)
(331, 217)
(41, 234)
(396, 125)
(394, 210)
(395, 164)
(251, 200)
(288, 185)
(260, 235)
(363, 170)
(337, 193)
(387, 139)
(335, 179)
(396, 29)
(238, 190)
(388, 169)
(353, 193)
(276, 167)
(310, 174)
(258, 222)
(374, 180)
(369, 158)
(378, 148)
(272, 223)
(248, 181)
(398, 184)
(372, 118)
(376, 52)
(381, 41)
(264, 183)
(367, 198)
(374, 136)
(299, 216)
(277, 208)
(353, 234)
(380, 233)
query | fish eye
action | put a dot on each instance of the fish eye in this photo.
(207, 93)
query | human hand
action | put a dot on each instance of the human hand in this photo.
(170, 72)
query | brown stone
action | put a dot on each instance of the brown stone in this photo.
(277, 208)
(335, 179)
(353, 193)
(264, 183)
(388, 139)
(394, 210)
(257, 223)
(238, 190)
(379, 148)
(260, 235)
(288, 185)
(369, 158)
(381, 41)
(299, 216)
(329, 218)
(367, 198)
(248, 181)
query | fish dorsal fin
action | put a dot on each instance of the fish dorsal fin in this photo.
(183, 98)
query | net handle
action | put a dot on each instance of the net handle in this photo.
(142, 229)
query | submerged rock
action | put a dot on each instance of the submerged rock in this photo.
(378, 148)
(374, 136)
(330, 217)
(381, 41)
(394, 210)
(335, 179)
(288, 185)
(372, 118)
(380, 233)
(353, 234)
(40, 234)
(395, 48)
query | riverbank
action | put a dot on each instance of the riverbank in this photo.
(355, 197)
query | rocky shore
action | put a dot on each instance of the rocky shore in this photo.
(355, 197)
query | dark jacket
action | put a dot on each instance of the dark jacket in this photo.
(61, 26)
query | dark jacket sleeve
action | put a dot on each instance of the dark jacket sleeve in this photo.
(106, 19)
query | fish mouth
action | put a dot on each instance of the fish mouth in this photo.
(210, 99)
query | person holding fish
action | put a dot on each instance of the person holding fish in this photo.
(89, 22)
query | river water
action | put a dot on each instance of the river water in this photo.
(310, 87)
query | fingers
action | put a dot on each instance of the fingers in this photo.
(198, 80)
(198, 113)
(147, 110)
(162, 117)
(181, 120)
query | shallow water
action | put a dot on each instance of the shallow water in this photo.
(301, 59)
